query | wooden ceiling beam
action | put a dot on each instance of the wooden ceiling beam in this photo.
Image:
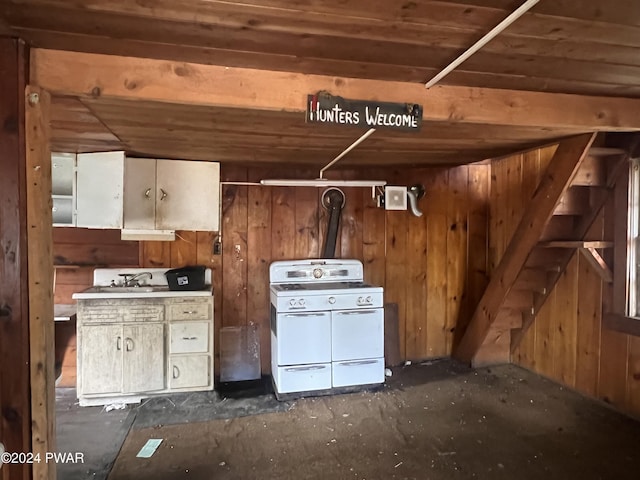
(95, 76)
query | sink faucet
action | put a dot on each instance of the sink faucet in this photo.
(131, 280)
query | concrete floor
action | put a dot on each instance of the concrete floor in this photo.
(436, 420)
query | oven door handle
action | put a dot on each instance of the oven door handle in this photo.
(305, 369)
(357, 312)
(305, 315)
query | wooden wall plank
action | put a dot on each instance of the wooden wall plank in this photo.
(457, 303)
(373, 240)
(589, 318)
(234, 246)
(15, 405)
(90, 247)
(184, 248)
(395, 271)
(614, 348)
(544, 337)
(156, 254)
(306, 241)
(283, 223)
(40, 268)
(564, 321)
(633, 379)
(351, 225)
(258, 260)
(417, 291)
(205, 256)
(478, 224)
(437, 252)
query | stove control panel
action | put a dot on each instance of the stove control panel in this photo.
(285, 302)
(365, 301)
(297, 303)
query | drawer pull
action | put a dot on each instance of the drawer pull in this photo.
(189, 338)
(305, 369)
(189, 312)
(128, 344)
(119, 343)
(362, 362)
(358, 312)
(176, 372)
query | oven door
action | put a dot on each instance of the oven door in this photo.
(357, 334)
(303, 338)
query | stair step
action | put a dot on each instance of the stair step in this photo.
(559, 227)
(592, 172)
(606, 151)
(518, 300)
(575, 201)
(507, 319)
(548, 259)
(533, 279)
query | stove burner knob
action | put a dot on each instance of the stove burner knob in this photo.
(301, 302)
(360, 300)
(368, 299)
(292, 302)
(317, 272)
(332, 300)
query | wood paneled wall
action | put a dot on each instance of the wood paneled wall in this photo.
(433, 267)
(566, 342)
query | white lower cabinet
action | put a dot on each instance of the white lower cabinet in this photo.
(129, 349)
(144, 358)
(100, 358)
(189, 371)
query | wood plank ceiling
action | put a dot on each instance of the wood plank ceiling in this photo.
(564, 46)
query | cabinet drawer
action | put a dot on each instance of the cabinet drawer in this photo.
(189, 371)
(189, 337)
(144, 313)
(358, 372)
(303, 378)
(190, 311)
(100, 314)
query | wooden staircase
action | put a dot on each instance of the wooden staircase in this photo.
(571, 193)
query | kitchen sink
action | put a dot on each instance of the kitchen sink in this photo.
(135, 290)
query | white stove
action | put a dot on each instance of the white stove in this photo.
(327, 326)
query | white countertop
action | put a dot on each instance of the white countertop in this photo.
(156, 292)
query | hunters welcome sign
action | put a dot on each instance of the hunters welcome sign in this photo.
(325, 108)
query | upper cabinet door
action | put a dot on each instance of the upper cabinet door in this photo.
(187, 195)
(140, 193)
(99, 191)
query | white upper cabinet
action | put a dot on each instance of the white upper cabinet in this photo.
(100, 178)
(63, 189)
(171, 195)
(187, 195)
(140, 194)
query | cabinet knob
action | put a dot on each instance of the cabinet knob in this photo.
(147, 193)
(164, 194)
(119, 343)
(176, 372)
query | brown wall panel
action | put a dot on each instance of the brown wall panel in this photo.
(566, 342)
(407, 255)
